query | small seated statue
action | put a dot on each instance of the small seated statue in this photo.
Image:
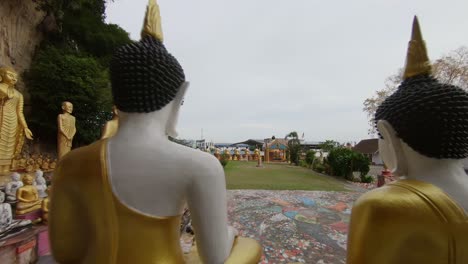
(45, 164)
(28, 197)
(237, 154)
(6, 216)
(22, 163)
(30, 165)
(40, 184)
(45, 206)
(135, 192)
(53, 164)
(424, 137)
(13, 186)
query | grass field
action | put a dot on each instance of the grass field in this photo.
(245, 175)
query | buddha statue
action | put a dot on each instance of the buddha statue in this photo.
(257, 154)
(111, 126)
(423, 138)
(237, 154)
(66, 129)
(53, 164)
(13, 186)
(227, 154)
(217, 153)
(247, 154)
(30, 165)
(13, 126)
(143, 206)
(6, 216)
(40, 184)
(45, 206)
(28, 197)
(22, 163)
(45, 164)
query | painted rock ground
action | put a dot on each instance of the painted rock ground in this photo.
(294, 226)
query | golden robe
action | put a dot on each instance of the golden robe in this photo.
(12, 124)
(407, 222)
(88, 223)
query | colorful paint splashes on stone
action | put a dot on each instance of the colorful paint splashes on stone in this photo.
(294, 226)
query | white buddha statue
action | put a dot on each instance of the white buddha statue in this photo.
(40, 184)
(138, 181)
(13, 186)
(424, 138)
(6, 216)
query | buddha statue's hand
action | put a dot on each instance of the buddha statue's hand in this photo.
(232, 232)
(28, 133)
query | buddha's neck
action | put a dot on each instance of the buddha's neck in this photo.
(144, 126)
(447, 174)
(434, 170)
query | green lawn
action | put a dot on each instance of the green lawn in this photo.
(245, 175)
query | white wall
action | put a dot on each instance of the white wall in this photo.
(376, 159)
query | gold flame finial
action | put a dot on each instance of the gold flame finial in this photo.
(152, 23)
(417, 60)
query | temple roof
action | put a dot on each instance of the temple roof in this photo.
(367, 146)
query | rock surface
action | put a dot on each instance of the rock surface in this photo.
(19, 35)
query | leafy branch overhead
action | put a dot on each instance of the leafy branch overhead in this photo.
(451, 68)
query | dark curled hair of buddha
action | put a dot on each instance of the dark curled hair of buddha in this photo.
(429, 116)
(144, 76)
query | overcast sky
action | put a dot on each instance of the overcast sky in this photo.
(259, 68)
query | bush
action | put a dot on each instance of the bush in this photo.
(344, 161)
(310, 157)
(367, 179)
(224, 160)
(319, 167)
(303, 163)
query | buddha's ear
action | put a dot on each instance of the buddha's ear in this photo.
(391, 150)
(174, 114)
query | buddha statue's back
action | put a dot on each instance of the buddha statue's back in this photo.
(138, 181)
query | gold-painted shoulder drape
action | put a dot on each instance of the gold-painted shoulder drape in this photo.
(407, 222)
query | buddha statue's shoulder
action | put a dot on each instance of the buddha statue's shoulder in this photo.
(408, 198)
(82, 162)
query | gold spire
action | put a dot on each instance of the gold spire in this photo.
(152, 23)
(417, 60)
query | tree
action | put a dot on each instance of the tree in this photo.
(329, 145)
(62, 76)
(310, 157)
(71, 64)
(294, 147)
(451, 68)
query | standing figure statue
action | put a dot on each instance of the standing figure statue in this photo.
(66, 130)
(13, 126)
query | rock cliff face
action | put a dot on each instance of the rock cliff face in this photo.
(19, 35)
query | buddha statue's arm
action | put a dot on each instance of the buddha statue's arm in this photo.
(373, 230)
(73, 130)
(20, 113)
(22, 120)
(60, 126)
(208, 208)
(19, 195)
